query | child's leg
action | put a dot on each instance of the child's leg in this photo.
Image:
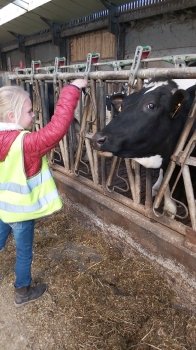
(23, 235)
(5, 230)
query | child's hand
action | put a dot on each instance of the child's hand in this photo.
(80, 83)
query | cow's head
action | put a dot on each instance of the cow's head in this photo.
(148, 125)
(115, 101)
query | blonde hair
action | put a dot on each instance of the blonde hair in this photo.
(12, 99)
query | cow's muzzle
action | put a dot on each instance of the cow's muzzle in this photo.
(97, 141)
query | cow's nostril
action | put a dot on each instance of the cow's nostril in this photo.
(101, 140)
(98, 140)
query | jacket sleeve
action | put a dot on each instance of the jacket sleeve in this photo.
(38, 143)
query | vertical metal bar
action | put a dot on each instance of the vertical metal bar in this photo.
(64, 142)
(82, 133)
(102, 114)
(111, 172)
(102, 111)
(34, 108)
(43, 103)
(71, 148)
(38, 104)
(47, 101)
(94, 128)
(103, 171)
(130, 177)
(28, 88)
(60, 85)
(90, 159)
(189, 195)
(139, 83)
(148, 201)
(137, 183)
(66, 150)
(65, 146)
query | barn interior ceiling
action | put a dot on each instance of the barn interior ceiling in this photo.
(24, 17)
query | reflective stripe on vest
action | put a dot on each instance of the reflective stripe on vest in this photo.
(21, 198)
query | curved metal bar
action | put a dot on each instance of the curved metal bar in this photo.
(77, 171)
(181, 204)
(157, 214)
(120, 177)
(59, 154)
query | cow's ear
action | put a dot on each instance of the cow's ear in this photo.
(178, 98)
(116, 101)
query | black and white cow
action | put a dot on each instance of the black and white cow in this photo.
(148, 127)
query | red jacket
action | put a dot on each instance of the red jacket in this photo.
(38, 143)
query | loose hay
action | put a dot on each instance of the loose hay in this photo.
(96, 299)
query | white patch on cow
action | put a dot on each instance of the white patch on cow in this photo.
(157, 184)
(150, 162)
(170, 206)
(155, 85)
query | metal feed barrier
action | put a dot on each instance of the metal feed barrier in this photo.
(123, 180)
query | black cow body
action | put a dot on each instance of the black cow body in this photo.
(149, 125)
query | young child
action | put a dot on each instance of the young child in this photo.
(27, 189)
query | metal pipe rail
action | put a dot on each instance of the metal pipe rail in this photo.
(173, 59)
(172, 73)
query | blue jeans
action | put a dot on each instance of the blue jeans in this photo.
(23, 234)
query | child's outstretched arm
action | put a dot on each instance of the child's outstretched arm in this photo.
(38, 143)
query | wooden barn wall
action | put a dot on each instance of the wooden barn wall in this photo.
(99, 41)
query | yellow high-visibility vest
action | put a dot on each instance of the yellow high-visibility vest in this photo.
(23, 198)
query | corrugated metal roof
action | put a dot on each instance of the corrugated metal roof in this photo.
(57, 11)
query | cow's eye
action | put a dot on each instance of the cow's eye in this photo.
(151, 106)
